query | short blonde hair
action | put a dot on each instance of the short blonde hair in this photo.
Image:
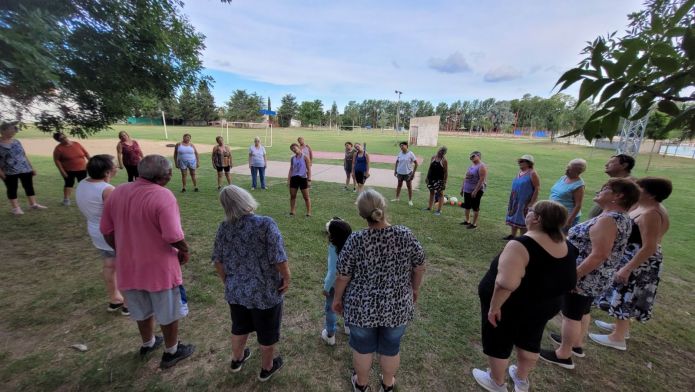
(371, 206)
(578, 162)
(237, 202)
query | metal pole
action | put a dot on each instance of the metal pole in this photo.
(398, 109)
(164, 121)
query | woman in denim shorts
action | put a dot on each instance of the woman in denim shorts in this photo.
(376, 289)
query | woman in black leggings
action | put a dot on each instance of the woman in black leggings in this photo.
(15, 168)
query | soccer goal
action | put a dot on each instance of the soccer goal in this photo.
(268, 126)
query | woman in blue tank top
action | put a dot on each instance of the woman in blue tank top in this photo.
(299, 177)
(360, 166)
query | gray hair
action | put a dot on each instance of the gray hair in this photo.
(257, 139)
(578, 162)
(371, 206)
(237, 202)
(154, 167)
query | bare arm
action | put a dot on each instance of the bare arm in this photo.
(308, 168)
(231, 159)
(649, 225)
(341, 282)
(510, 270)
(311, 153)
(119, 154)
(220, 270)
(212, 157)
(416, 280)
(445, 165)
(366, 156)
(482, 173)
(176, 155)
(56, 160)
(602, 236)
(284, 270)
(536, 181)
(578, 196)
(182, 246)
(197, 158)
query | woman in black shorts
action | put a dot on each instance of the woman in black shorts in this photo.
(521, 291)
(437, 175)
(360, 167)
(222, 161)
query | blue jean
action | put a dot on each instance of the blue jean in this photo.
(331, 317)
(261, 173)
(383, 340)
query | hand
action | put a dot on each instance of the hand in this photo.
(623, 275)
(474, 193)
(197, 165)
(461, 193)
(366, 175)
(493, 316)
(33, 172)
(415, 295)
(120, 167)
(337, 305)
(183, 257)
(284, 285)
(395, 174)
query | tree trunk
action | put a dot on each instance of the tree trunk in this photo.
(650, 156)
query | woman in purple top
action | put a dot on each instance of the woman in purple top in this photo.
(299, 177)
(524, 193)
(473, 188)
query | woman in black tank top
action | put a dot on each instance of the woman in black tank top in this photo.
(521, 291)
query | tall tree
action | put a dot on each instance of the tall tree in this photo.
(205, 108)
(244, 107)
(653, 63)
(287, 110)
(310, 113)
(187, 104)
(87, 62)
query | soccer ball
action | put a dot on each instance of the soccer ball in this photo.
(454, 200)
(446, 199)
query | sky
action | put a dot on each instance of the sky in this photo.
(436, 50)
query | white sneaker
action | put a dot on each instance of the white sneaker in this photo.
(395, 200)
(519, 384)
(605, 341)
(37, 206)
(17, 211)
(610, 327)
(410, 203)
(346, 329)
(67, 202)
(329, 340)
(484, 380)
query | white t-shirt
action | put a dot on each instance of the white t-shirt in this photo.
(405, 162)
(257, 154)
(89, 196)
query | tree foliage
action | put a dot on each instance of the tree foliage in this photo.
(83, 64)
(245, 107)
(310, 113)
(287, 110)
(653, 63)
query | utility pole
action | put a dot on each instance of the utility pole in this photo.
(398, 108)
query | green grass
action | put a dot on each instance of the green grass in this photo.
(52, 294)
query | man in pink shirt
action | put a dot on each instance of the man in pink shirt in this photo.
(141, 222)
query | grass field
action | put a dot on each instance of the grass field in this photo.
(53, 297)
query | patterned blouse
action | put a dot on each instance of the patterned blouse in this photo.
(380, 263)
(13, 160)
(249, 250)
(597, 281)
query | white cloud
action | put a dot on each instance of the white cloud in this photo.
(502, 74)
(455, 63)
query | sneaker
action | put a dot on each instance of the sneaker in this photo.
(114, 307)
(484, 380)
(67, 202)
(427, 209)
(384, 388)
(125, 311)
(355, 386)
(158, 340)
(550, 356)
(330, 340)
(346, 330)
(410, 203)
(237, 365)
(195, 189)
(576, 351)
(354, 190)
(610, 327)
(437, 213)
(519, 384)
(17, 211)
(183, 190)
(395, 200)
(605, 341)
(465, 223)
(472, 226)
(37, 206)
(266, 374)
(182, 352)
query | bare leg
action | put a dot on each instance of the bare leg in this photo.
(441, 201)
(475, 217)
(183, 178)
(109, 274)
(219, 179)
(362, 364)
(195, 183)
(171, 333)
(526, 361)
(467, 214)
(293, 200)
(238, 346)
(15, 203)
(498, 369)
(398, 188)
(409, 184)
(586, 320)
(307, 200)
(622, 327)
(431, 201)
(571, 331)
(229, 178)
(146, 328)
(67, 192)
(389, 366)
(267, 353)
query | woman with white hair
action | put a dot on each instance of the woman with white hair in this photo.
(569, 191)
(255, 277)
(257, 162)
(380, 270)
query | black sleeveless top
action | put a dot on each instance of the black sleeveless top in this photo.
(436, 171)
(547, 278)
(635, 235)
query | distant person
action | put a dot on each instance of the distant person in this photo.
(618, 166)
(257, 162)
(90, 195)
(299, 178)
(437, 176)
(473, 188)
(129, 155)
(633, 291)
(15, 167)
(71, 160)
(141, 221)
(338, 232)
(521, 291)
(404, 170)
(255, 277)
(347, 165)
(222, 161)
(569, 191)
(525, 188)
(186, 159)
(306, 149)
(360, 166)
(601, 243)
(376, 290)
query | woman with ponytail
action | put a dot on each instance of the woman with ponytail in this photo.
(379, 273)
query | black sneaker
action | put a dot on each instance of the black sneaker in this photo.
(237, 365)
(357, 387)
(125, 311)
(472, 226)
(158, 340)
(182, 352)
(550, 356)
(114, 307)
(465, 223)
(266, 374)
(576, 351)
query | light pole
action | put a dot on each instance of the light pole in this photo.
(398, 108)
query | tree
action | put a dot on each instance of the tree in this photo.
(310, 113)
(187, 104)
(287, 110)
(86, 63)
(654, 63)
(245, 107)
(205, 108)
(333, 115)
